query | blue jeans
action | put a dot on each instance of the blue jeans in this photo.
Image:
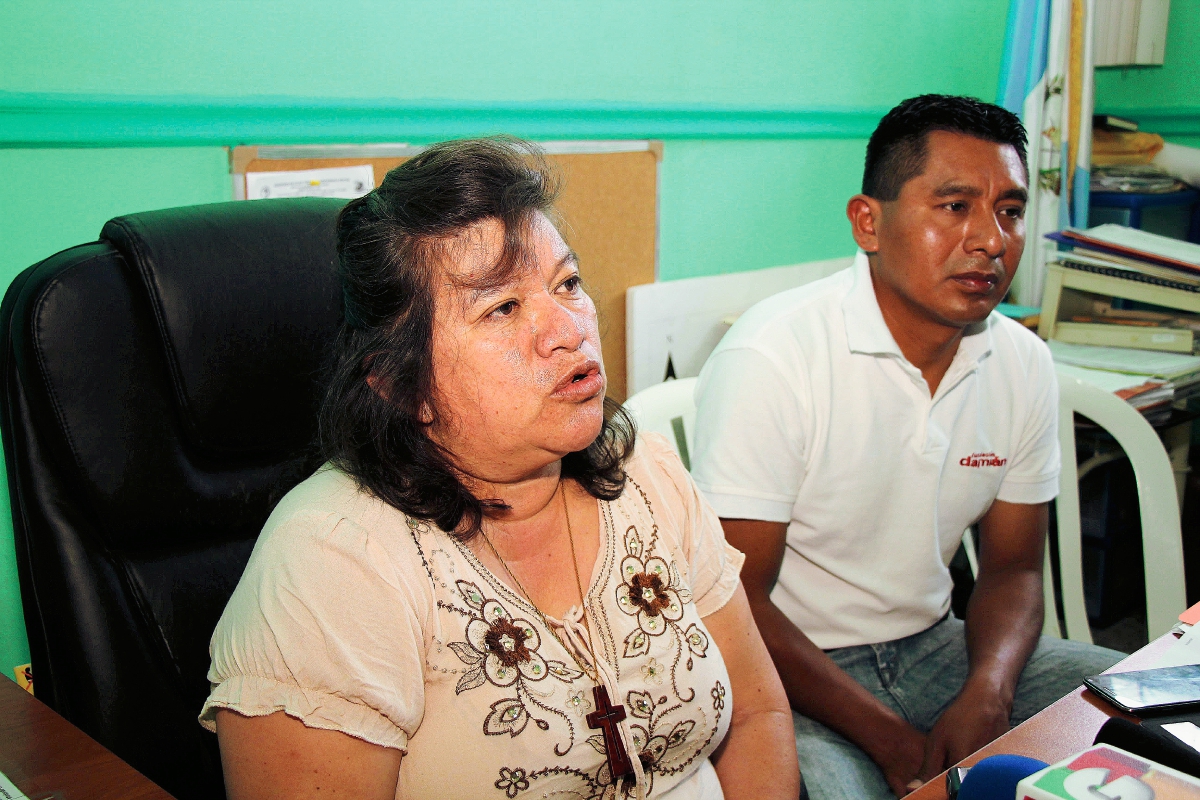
(918, 677)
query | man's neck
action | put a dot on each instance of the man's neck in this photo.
(929, 345)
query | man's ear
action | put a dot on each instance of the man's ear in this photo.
(864, 214)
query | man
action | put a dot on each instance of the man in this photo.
(848, 432)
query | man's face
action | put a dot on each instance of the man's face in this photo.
(946, 249)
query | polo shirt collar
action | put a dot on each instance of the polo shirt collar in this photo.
(868, 333)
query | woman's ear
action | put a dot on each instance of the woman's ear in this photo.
(376, 386)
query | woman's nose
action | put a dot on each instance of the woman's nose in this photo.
(556, 326)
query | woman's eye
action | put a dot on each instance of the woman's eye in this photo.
(571, 284)
(505, 309)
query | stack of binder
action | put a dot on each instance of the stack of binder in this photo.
(1135, 292)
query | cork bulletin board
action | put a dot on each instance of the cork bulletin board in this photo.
(609, 206)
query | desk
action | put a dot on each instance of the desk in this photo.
(1060, 730)
(44, 755)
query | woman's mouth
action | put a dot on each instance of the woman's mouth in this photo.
(583, 383)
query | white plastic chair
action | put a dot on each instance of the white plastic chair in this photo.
(1162, 542)
(668, 408)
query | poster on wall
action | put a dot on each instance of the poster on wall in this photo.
(344, 182)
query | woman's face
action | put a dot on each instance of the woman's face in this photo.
(517, 367)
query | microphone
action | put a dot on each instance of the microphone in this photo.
(1150, 743)
(996, 777)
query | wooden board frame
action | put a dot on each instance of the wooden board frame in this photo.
(608, 206)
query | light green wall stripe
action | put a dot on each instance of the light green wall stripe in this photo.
(50, 120)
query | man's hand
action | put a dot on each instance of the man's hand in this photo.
(975, 718)
(899, 754)
(1004, 619)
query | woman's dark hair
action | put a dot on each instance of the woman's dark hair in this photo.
(390, 243)
(897, 149)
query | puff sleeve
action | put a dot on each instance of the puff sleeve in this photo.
(714, 566)
(327, 627)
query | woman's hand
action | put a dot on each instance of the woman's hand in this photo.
(276, 756)
(758, 757)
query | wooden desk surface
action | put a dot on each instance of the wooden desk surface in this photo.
(1060, 730)
(44, 755)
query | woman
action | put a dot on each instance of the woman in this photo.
(491, 590)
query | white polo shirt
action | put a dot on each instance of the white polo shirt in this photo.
(809, 414)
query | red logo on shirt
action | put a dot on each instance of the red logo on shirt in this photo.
(983, 460)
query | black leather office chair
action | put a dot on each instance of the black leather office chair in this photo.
(160, 390)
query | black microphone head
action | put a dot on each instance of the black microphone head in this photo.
(1151, 743)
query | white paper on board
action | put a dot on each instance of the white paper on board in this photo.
(9, 791)
(345, 182)
(1185, 732)
(1185, 651)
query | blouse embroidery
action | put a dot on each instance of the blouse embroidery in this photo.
(502, 648)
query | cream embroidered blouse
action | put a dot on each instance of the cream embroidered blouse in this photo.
(352, 617)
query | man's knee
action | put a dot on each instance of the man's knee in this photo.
(1057, 668)
(833, 767)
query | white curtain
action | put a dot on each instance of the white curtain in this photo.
(1046, 77)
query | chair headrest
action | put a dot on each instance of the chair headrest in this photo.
(246, 299)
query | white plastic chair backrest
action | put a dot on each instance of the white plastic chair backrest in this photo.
(668, 408)
(1162, 542)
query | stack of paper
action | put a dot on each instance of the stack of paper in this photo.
(1139, 391)
(1164, 366)
(1147, 380)
(1139, 244)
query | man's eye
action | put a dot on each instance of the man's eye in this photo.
(1014, 213)
(956, 206)
(571, 284)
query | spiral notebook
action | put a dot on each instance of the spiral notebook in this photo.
(1066, 260)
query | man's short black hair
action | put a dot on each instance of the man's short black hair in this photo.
(896, 152)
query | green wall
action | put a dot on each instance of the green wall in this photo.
(1163, 99)
(764, 107)
(1176, 84)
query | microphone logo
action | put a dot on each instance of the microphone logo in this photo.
(1093, 784)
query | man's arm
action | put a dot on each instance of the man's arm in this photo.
(1004, 620)
(815, 686)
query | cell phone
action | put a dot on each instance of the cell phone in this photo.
(954, 779)
(1149, 689)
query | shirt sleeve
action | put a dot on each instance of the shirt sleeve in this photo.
(714, 565)
(323, 627)
(750, 436)
(1032, 477)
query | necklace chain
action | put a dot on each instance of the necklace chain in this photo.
(588, 670)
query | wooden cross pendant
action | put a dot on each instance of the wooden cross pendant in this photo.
(605, 717)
